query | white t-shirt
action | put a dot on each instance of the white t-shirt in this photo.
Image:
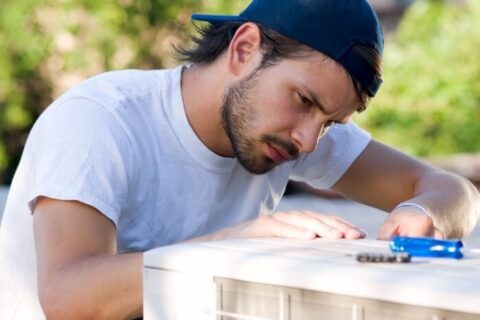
(121, 142)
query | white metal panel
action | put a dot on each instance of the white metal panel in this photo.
(180, 296)
(329, 266)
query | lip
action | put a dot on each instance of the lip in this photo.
(277, 155)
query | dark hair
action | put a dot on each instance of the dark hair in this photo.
(214, 39)
(374, 61)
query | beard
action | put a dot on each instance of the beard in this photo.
(239, 118)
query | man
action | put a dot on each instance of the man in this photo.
(133, 160)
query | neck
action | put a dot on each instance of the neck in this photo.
(202, 91)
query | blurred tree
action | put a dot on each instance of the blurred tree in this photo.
(48, 46)
(430, 100)
(429, 103)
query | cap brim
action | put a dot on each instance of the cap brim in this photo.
(216, 18)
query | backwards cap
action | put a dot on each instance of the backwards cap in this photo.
(332, 27)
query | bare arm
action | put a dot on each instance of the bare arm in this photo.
(81, 277)
(295, 224)
(383, 177)
(79, 274)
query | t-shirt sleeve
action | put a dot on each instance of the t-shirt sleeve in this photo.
(335, 153)
(78, 151)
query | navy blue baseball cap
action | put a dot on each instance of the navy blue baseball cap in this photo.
(332, 27)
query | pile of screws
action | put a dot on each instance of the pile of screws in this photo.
(381, 257)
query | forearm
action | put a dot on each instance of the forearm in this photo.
(100, 287)
(454, 203)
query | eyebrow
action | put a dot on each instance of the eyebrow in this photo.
(316, 101)
(320, 106)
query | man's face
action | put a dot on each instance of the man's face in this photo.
(273, 115)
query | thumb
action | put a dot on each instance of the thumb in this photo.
(387, 230)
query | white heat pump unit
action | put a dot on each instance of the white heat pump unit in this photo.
(260, 279)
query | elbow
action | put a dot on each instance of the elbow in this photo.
(468, 211)
(53, 306)
(472, 207)
(474, 216)
(56, 305)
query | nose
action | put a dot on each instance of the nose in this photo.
(307, 134)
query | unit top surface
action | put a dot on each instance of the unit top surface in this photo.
(330, 266)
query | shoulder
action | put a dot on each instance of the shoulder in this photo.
(115, 87)
(119, 94)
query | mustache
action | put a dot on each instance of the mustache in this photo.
(288, 146)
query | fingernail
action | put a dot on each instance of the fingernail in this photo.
(358, 234)
(362, 233)
(355, 234)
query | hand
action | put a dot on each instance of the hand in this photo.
(296, 225)
(408, 221)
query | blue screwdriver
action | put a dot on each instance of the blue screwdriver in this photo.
(427, 247)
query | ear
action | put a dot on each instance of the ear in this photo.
(244, 53)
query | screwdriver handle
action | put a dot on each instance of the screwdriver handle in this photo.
(427, 247)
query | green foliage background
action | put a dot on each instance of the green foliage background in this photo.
(47, 46)
(429, 103)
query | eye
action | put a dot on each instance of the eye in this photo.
(305, 101)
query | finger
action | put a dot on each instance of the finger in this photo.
(304, 221)
(349, 230)
(286, 230)
(355, 234)
(278, 228)
(318, 215)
